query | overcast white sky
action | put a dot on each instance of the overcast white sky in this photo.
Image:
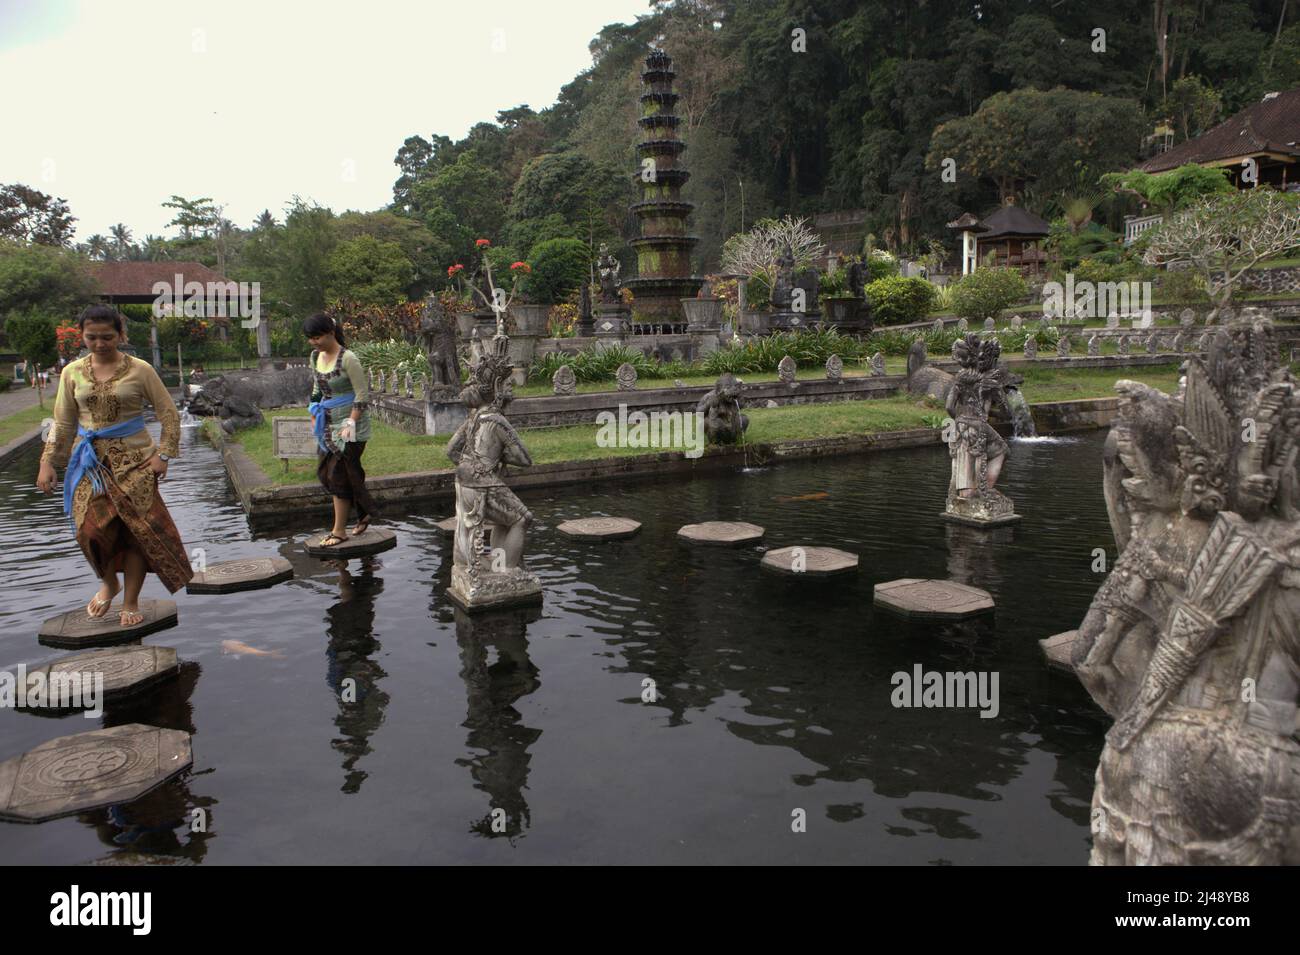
(115, 106)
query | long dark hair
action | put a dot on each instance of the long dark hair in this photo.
(320, 323)
(106, 314)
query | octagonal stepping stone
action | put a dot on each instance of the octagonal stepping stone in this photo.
(809, 562)
(229, 576)
(126, 670)
(600, 528)
(74, 630)
(372, 541)
(932, 599)
(721, 533)
(91, 770)
(1058, 648)
(447, 525)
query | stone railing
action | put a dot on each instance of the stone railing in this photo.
(1134, 226)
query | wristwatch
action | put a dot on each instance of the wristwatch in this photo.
(165, 458)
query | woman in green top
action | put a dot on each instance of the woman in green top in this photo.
(339, 399)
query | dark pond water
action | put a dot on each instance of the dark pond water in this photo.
(774, 695)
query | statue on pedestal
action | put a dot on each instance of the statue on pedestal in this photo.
(438, 334)
(723, 422)
(1192, 643)
(977, 451)
(783, 286)
(490, 520)
(607, 267)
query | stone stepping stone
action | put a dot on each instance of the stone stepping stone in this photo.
(809, 562)
(127, 670)
(447, 525)
(600, 528)
(1057, 650)
(76, 631)
(372, 541)
(230, 576)
(721, 533)
(91, 770)
(932, 599)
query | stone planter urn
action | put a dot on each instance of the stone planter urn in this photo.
(702, 314)
(464, 324)
(843, 312)
(530, 319)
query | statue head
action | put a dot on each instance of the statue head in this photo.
(727, 387)
(489, 377)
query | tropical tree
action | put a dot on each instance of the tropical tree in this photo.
(121, 240)
(29, 215)
(1224, 236)
(755, 254)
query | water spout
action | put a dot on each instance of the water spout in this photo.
(1022, 420)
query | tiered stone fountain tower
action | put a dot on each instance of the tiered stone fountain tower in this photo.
(663, 252)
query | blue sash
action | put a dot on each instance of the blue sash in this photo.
(317, 411)
(85, 460)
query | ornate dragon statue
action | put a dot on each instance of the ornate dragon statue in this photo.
(1192, 643)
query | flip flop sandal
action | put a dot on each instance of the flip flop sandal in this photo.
(332, 540)
(98, 607)
(130, 613)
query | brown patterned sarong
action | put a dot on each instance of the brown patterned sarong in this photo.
(111, 526)
(343, 476)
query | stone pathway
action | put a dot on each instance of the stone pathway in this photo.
(21, 397)
(229, 576)
(810, 563)
(75, 630)
(721, 533)
(600, 528)
(932, 599)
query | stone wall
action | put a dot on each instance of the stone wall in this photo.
(1277, 281)
(661, 347)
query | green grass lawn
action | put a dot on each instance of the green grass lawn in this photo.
(395, 452)
(1050, 384)
(17, 425)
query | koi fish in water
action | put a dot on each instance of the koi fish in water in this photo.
(243, 649)
(815, 496)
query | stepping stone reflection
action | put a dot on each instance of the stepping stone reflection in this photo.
(91, 770)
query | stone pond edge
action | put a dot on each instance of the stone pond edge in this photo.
(262, 499)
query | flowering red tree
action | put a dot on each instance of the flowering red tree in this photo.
(495, 297)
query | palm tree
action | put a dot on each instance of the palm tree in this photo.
(97, 247)
(122, 239)
(155, 249)
(264, 221)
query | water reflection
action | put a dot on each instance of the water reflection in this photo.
(351, 670)
(498, 673)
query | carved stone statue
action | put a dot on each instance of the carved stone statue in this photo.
(723, 422)
(490, 520)
(438, 332)
(856, 275)
(607, 267)
(977, 451)
(564, 381)
(782, 289)
(1192, 643)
